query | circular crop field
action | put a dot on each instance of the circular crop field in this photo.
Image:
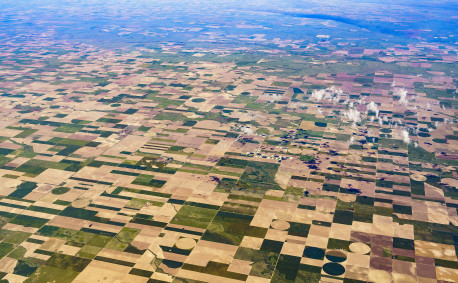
(198, 100)
(321, 124)
(60, 190)
(440, 140)
(333, 268)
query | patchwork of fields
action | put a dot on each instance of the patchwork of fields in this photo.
(282, 160)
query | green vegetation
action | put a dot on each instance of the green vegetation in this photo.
(232, 162)
(307, 158)
(29, 221)
(264, 259)
(5, 248)
(148, 180)
(230, 228)
(23, 189)
(60, 190)
(13, 237)
(122, 240)
(198, 217)
(259, 176)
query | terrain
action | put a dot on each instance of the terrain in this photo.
(276, 141)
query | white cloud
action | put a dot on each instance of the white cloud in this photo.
(353, 115)
(402, 93)
(405, 136)
(248, 131)
(335, 90)
(331, 93)
(272, 98)
(318, 94)
(373, 107)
